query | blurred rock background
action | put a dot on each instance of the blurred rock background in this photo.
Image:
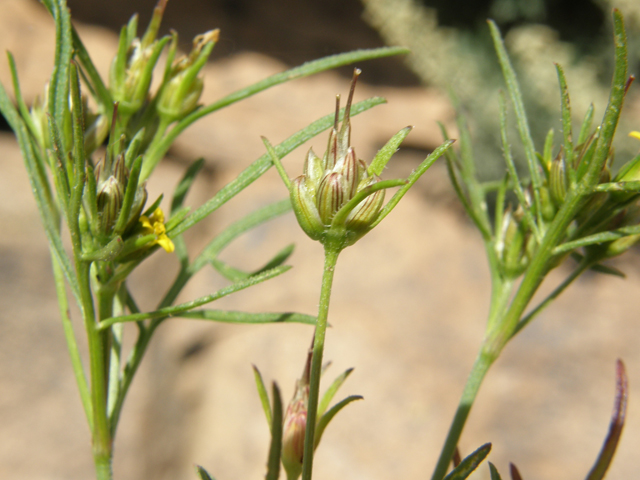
(408, 308)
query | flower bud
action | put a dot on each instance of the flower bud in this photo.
(304, 207)
(365, 213)
(329, 185)
(313, 170)
(180, 94)
(330, 196)
(558, 180)
(515, 258)
(109, 200)
(547, 205)
(294, 429)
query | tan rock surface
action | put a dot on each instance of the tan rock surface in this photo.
(408, 312)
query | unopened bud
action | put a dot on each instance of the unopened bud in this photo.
(295, 423)
(109, 202)
(365, 213)
(331, 196)
(313, 169)
(558, 180)
(304, 207)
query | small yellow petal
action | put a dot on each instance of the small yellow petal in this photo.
(146, 223)
(635, 135)
(158, 215)
(166, 243)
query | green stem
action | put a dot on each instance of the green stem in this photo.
(478, 372)
(330, 259)
(72, 344)
(500, 296)
(101, 434)
(103, 468)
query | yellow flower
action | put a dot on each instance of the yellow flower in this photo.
(155, 224)
(635, 135)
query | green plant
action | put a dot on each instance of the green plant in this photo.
(570, 207)
(103, 204)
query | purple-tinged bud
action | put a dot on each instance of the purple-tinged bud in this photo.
(349, 168)
(109, 201)
(366, 212)
(294, 429)
(313, 169)
(331, 195)
(304, 207)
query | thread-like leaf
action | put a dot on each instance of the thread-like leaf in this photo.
(331, 391)
(184, 307)
(203, 474)
(469, 464)
(327, 417)
(226, 316)
(264, 397)
(521, 117)
(275, 449)
(603, 461)
(157, 151)
(494, 472)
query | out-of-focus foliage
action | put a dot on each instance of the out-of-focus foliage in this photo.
(452, 50)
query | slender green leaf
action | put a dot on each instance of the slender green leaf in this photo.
(184, 186)
(413, 178)
(262, 164)
(469, 464)
(184, 307)
(234, 274)
(70, 337)
(227, 271)
(385, 153)
(226, 316)
(40, 187)
(494, 472)
(129, 197)
(585, 128)
(102, 94)
(277, 163)
(275, 449)
(453, 166)
(511, 167)
(616, 99)
(203, 474)
(278, 259)
(233, 231)
(78, 168)
(331, 391)
(603, 461)
(341, 215)
(59, 168)
(521, 117)
(152, 208)
(59, 84)
(500, 208)
(327, 417)
(156, 151)
(567, 131)
(629, 187)
(264, 397)
(597, 238)
(22, 106)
